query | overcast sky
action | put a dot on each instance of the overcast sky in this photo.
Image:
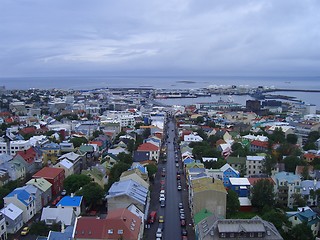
(157, 37)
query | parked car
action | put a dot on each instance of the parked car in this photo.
(152, 217)
(162, 198)
(180, 205)
(181, 210)
(183, 222)
(162, 203)
(179, 187)
(184, 232)
(182, 216)
(25, 231)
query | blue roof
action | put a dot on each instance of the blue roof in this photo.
(22, 195)
(51, 145)
(69, 201)
(287, 176)
(188, 160)
(59, 235)
(141, 168)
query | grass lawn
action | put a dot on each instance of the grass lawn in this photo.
(244, 215)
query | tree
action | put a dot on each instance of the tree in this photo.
(278, 219)
(115, 173)
(291, 162)
(277, 136)
(152, 169)
(125, 158)
(39, 228)
(292, 138)
(233, 203)
(75, 181)
(268, 164)
(92, 193)
(298, 200)
(199, 119)
(239, 150)
(78, 141)
(262, 194)
(301, 232)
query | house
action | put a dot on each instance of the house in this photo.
(36, 193)
(254, 165)
(131, 228)
(53, 175)
(192, 137)
(16, 168)
(3, 227)
(241, 186)
(13, 216)
(228, 172)
(32, 158)
(135, 175)
(123, 193)
(201, 191)
(259, 146)
(119, 223)
(97, 174)
(23, 200)
(66, 147)
(153, 150)
(45, 188)
(117, 150)
(305, 215)
(287, 184)
(64, 234)
(72, 162)
(51, 216)
(50, 153)
(255, 228)
(73, 202)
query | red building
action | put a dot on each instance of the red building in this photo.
(53, 175)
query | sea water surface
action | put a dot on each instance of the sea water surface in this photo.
(171, 82)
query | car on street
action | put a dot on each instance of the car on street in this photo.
(162, 191)
(162, 198)
(159, 233)
(162, 203)
(177, 164)
(180, 205)
(184, 237)
(183, 222)
(182, 216)
(181, 210)
(161, 219)
(24, 231)
(184, 232)
(179, 187)
(152, 217)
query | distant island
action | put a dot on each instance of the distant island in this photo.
(186, 81)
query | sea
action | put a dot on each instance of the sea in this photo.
(174, 82)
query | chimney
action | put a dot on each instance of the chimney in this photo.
(302, 209)
(35, 180)
(124, 219)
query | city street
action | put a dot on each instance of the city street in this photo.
(172, 227)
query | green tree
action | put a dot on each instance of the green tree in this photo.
(239, 150)
(115, 173)
(130, 145)
(78, 141)
(291, 162)
(233, 204)
(96, 133)
(92, 193)
(202, 134)
(199, 120)
(301, 232)
(277, 136)
(3, 192)
(125, 158)
(39, 228)
(292, 138)
(146, 133)
(262, 194)
(298, 200)
(278, 219)
(269, 164)
(152, 169)
(75, 181)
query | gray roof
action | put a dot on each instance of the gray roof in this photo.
(308, 185)
(59, 214)
(130, 188)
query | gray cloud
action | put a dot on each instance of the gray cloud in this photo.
(158, 37)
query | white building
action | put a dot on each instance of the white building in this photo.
(13, 218)
(18, 145)
(3, 147)
(192, 137)
(254, 165)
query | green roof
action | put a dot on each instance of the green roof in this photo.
(236, 160)
(199, 216)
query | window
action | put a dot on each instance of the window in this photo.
(251, 234)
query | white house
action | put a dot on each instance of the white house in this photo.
(254, 165)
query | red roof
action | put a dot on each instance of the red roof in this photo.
(253, 181)
(147, 147)
(309, 155)
(259, 143)
(28, 155)
(48, 172)
(28, 130)
(122, 220)
(90, 228)
(99, 143)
